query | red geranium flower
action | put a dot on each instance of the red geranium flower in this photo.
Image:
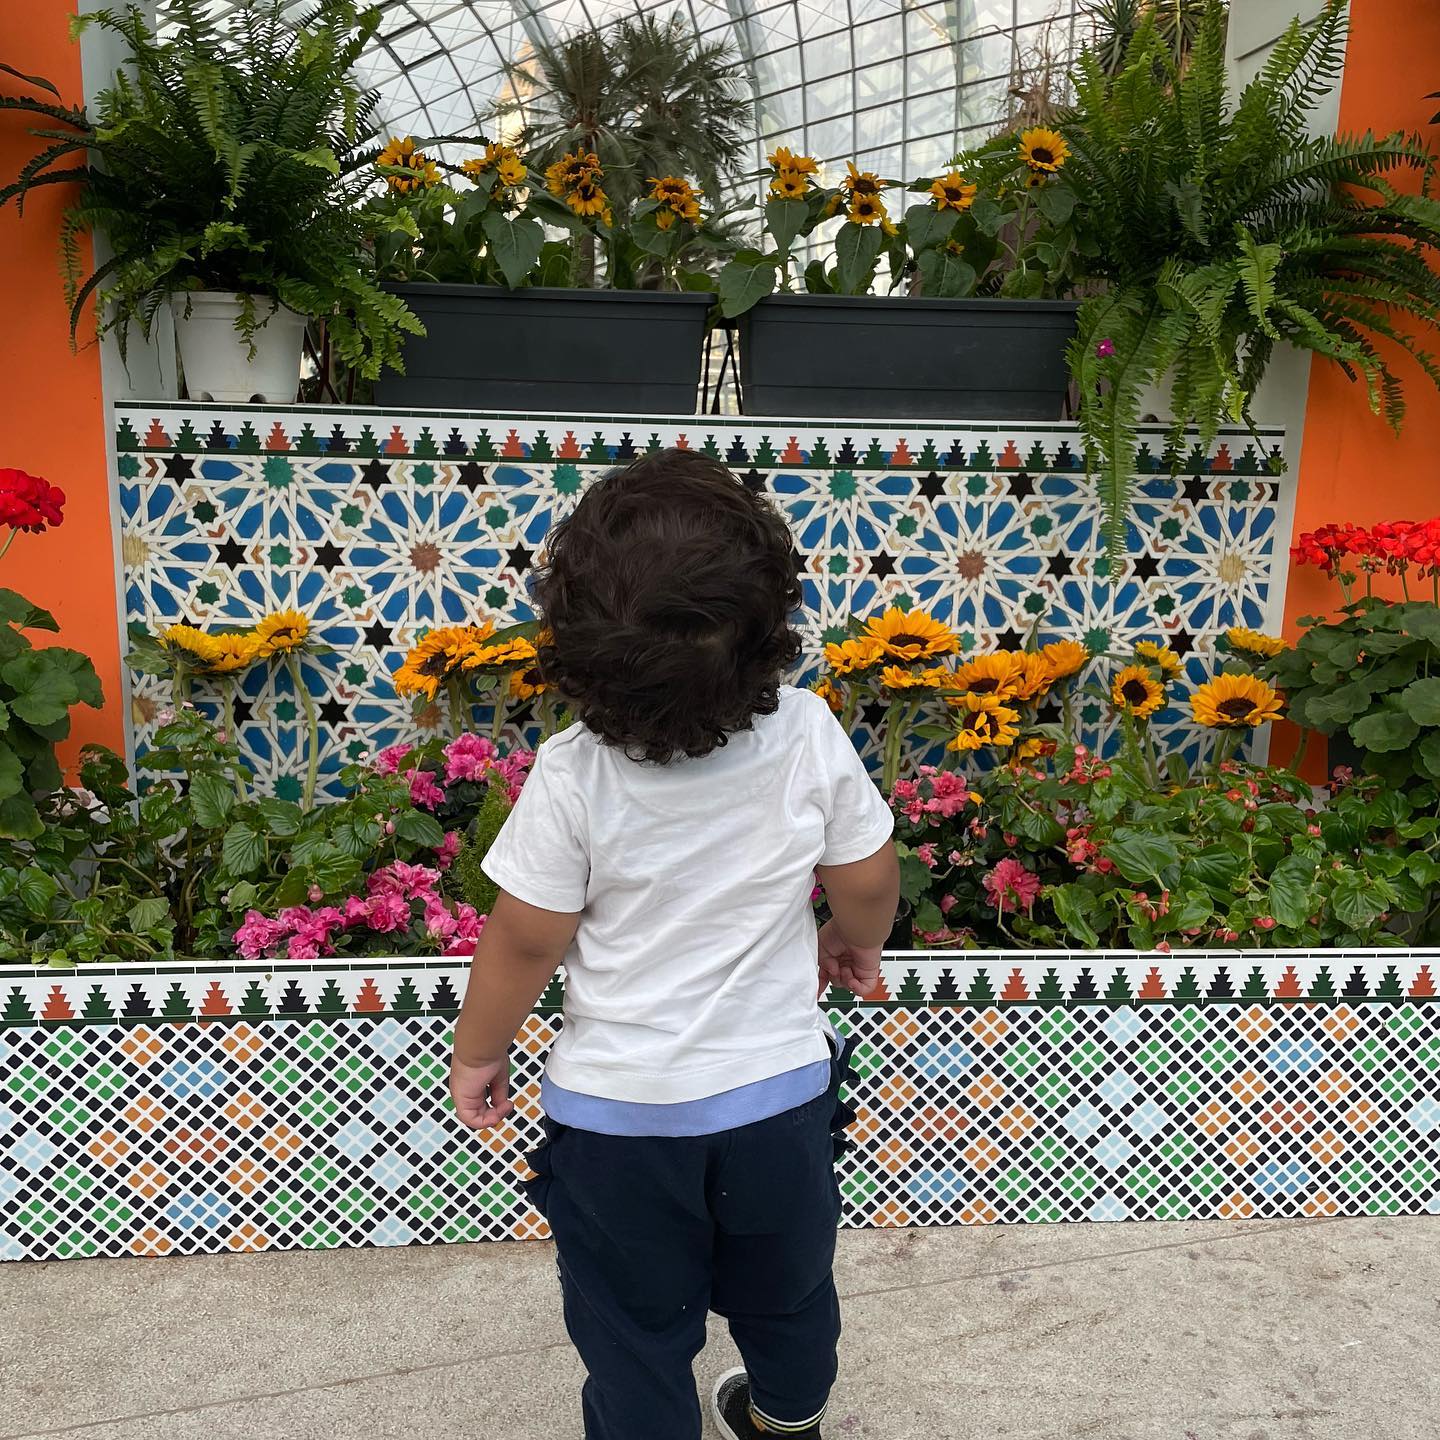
(29, 503)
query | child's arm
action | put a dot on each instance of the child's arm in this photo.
(863, 897)
(515, 957)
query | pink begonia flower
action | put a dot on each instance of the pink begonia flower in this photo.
(513, 769)
(440, 924)
(387, 913)
(424, 791)
(398, 878)
(357, 911)
(447, 850)
(1010, 886)
(947, 904)
(926, 854)
(1105, 349)
(468, 757)
(257, 934)
(387, 762)
(467, 930)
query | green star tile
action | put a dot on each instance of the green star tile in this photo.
(497, 597)
(1170, 528)
(839, 563)
(1041, 525)
(355, 674)
(1096, 640)
(1034, 604)
(353, 596)
(286, 711)
(1163, 606)
(204, 511)
(288, 787)
(906, 525)
(279, 554)
(207, 592)
(496, 516)
(278, 472)
(351, 515)
(128, 466)
(977, 485)
(423, 474)
(842, 485)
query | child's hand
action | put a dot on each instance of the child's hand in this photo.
(853, 967)
(481, 1092)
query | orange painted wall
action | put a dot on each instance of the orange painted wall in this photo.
(51, 411)
(1352, 466)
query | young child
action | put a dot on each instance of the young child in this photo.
(664, 848)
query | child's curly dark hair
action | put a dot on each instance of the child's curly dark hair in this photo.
(667, 595)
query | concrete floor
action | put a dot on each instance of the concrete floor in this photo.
(1309, 1330)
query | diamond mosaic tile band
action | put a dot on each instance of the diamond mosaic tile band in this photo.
(381, 526)
(305, 1107)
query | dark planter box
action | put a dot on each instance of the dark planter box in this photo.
(608, 352)
(872, 357)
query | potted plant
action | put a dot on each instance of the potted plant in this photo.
(967, 327)
(577, 277)
(1208, 231)
(223, 167)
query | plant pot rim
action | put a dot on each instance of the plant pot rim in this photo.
(550, 292)
(920, 302)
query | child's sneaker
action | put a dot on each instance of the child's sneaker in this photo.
(734, 1418)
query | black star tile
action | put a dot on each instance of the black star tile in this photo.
(1145, 567)
(931, 486)
(376, 474)
(377, 636)
(230, 552)
(882, 566)
(471, 475)
(1060, 565)
(752, 479)
(329, 555)
(243, 710)
(1196, 488)
(1010, 640)
(874, 713)
(518, 557)
(1021, 485)
(333, 713)
(1181, 643)
(179, 467)
(1049, 713)
(800, 560)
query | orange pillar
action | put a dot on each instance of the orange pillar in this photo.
(1352, 466)
(52, 420)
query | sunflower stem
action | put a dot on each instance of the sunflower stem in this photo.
(312, 729)
(497, 720)
(1298, 758)
(457, 707)
(227, 716)
(852, 704)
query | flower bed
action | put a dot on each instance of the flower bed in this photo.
(214, 1108)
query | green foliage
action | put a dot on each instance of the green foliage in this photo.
(1238, 857)
(466, 880)
(1218, 229)
(225, 155)
(37, 689)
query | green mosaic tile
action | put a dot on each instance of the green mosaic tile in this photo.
(497, 1199)
(1207, 1178)
(281, 1076)
(1086, 1058)
(859, 1187)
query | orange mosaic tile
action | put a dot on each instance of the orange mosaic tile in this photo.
(151, 1242)
(987, 1091)
(1242, 1147)
(282, 1142)
(1253, 1025)
(1321, 1204)
(244, 1111)
(1334, 1086)
(1287, 1119)
(1248, 1087)
(982, 1153)
(1362, 1116)
(894, 1155)
(141, 1045)
(1328, 1147)
(1341, 1023)
(897, 1092)
(147, 1180)
(990, 1027)
(900, 1028)
(1017, 1122)
(243, 1042)
(1236, 1207)
(246, 1177)
(890, 1216)
(935, 1124)
(247, 1237)
(979, 1212)
(867, 1123)
(1212, 1118)
(108, 1148)
(204, 1146)
(144, 1113)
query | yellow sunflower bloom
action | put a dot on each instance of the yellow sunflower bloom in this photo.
(1044, 149)
(280, 631)
(1252, 642)
(1033, 677)
(1065, 658)
(428, 665)
(587, 198)
(783, 159)
(911, 634)
(851, 657)
(830, 693)
(953, 192)
(896, 677)
(861, 182)
(527, 683)
(501, 655)
(1162, 657)
(189, 644)
(233, 652)
(397, 151)
(570, 170)
(1136, 692)
(983, 720)
(994, 674)
(1235, 702)
(867, 210)
(789, 185)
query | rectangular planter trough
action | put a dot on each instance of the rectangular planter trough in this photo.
(215, 1108)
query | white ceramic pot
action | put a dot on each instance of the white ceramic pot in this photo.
(216, 357)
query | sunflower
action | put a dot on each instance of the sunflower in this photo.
(1252, 642)
(896, 677)
(861, 182)
(911, 634)
(587, 198)
(787, 160)
(504, 160)
(192, 645)
(1035, 179)
(280, 631)
(983, 720)
(401, 154)
(571, 170)
(527, 683)
(1033, 677)
(501, 655)
(851, 657)
(233, 652)
(428, 665)
(1065, 658)
(1044, 149)
(953, 192)
(1234, 702)
(1136, 692)
(830, 693)
(867, 210)
(1162, 657)
(789, 185)
(397, 151)
(994, 674)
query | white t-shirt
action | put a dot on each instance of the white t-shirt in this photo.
(693, 970)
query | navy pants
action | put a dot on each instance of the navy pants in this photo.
(655, 1232)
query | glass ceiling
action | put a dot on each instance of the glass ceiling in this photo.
(897, 85)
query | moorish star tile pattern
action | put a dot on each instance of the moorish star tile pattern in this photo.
(206, 1109)
(380, 526)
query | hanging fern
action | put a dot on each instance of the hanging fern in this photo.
(1216, 231)
(226, 156)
